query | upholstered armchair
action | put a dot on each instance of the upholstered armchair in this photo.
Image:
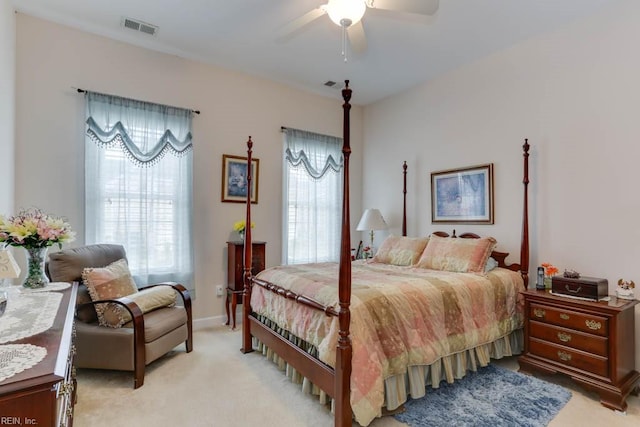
(143, 338)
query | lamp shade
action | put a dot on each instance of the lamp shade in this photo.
(9, 268)
(371, 220)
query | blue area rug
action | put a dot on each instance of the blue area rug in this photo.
(492, 396)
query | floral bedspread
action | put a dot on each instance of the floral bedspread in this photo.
(400, 316)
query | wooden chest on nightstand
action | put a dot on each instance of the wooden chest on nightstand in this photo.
(591, 288)
(592, 342)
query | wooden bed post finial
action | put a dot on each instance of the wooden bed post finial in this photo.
(248, 256)
(404, 198)
(343, 413)
(524, 248)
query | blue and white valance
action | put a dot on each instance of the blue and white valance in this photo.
(317, 153)
(145, 131)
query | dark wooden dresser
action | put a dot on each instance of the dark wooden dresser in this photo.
(592, 342)
(45, 394)
(235, 267)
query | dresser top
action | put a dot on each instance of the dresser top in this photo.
(612, 303)
(57, 340)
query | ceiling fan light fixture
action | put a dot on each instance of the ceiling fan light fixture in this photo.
(345, 13)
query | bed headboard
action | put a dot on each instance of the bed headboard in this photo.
(500, 257)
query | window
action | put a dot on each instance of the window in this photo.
(138, 185)
(313, 197)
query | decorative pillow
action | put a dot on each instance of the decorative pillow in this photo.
(490, 265)
(457, 254)
(151, 299)
(110, 282)
(399, 250)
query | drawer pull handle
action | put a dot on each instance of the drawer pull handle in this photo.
(564, 337)
(565, 357)
(592, 324)
(65, 389)
(573, 291)
(538, 312)
(564, 316)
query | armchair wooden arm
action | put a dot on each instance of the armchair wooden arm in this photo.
(138, 334)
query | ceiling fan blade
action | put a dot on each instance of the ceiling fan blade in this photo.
(420, 7)
(297, 24)
(357, 39)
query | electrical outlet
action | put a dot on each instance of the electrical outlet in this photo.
(219, 290)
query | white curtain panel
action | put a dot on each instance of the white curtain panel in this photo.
(313, 197)
(138, 185)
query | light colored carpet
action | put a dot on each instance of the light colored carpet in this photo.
(217, 386)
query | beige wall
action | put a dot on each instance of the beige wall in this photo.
(575, 95)
(51, 59)
(7, 103)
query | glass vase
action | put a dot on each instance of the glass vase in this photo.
(547, 282)
(36, 276)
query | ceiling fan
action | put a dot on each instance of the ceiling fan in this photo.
(348, 14)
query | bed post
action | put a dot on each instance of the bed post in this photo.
(248, 256)
(343, 414)
(524, 247)
(404, 201)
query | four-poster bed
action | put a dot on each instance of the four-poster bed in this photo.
(308, 325)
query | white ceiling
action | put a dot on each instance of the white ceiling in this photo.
(403, 50)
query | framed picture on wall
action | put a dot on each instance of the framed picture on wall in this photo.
(234, 179)
(463, 195)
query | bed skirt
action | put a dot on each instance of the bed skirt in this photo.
(413, 383)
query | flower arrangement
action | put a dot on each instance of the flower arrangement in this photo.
(31, 228)
(240, 226)
(367, 252)
(549, 270)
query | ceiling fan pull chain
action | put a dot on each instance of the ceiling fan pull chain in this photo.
(344, 42)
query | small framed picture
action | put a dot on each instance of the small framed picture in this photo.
(463, 195)
(234, 179)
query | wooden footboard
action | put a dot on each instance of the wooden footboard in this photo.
(334, 382)
(317, 372)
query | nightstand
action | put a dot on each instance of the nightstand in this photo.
(591, 342)
(235, 272)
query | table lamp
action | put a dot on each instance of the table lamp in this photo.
(9, 268)
(371, 220)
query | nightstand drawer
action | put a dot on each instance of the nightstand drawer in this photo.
(569, 338)
(570, 357)
(570, 319)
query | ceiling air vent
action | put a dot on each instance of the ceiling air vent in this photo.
(140, 26)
